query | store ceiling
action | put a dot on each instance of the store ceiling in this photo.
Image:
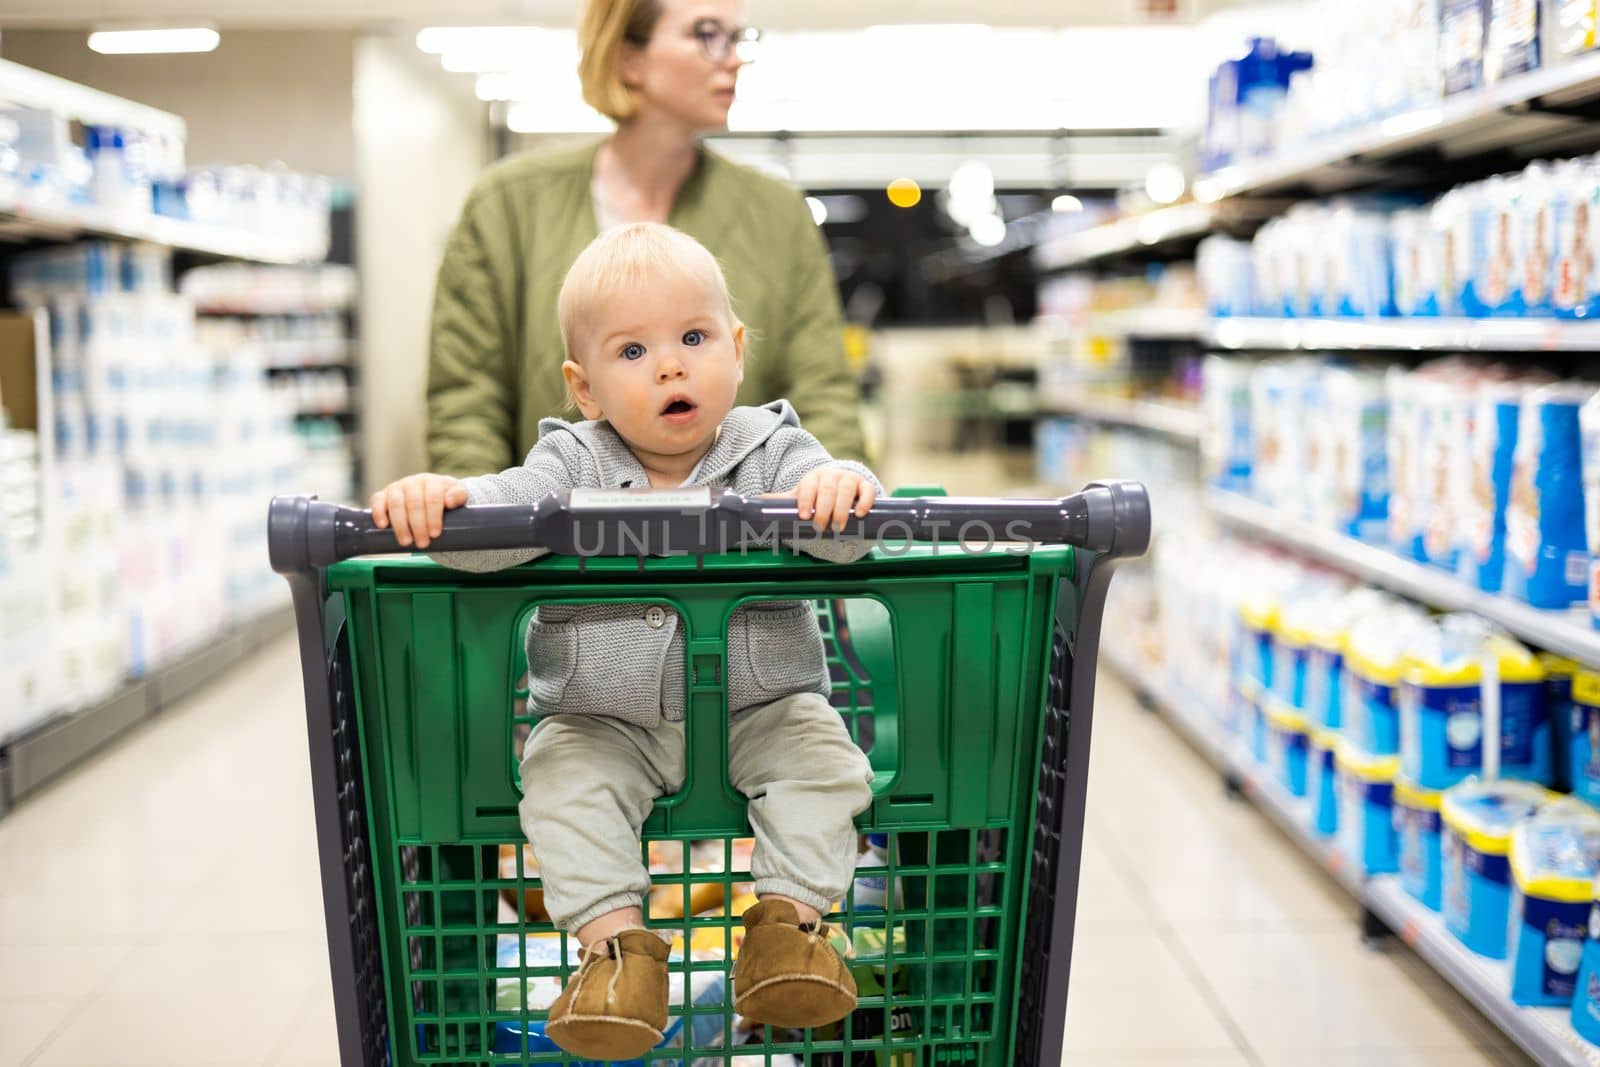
(773, 13)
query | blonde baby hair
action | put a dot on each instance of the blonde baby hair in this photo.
(628, 255)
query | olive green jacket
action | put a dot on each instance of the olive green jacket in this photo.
(495, 361)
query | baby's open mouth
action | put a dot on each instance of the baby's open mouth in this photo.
(678, 407)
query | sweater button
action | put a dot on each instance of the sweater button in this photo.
(656, 617)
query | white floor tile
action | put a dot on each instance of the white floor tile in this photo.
(26, 1024)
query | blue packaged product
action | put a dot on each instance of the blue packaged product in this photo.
(1586, 999)
(1450, 218)
(1535, 239)
(1288, 743)
(1511, 42)
(1498, 412)
(1415, 245)
(1325, 680)
(1589, 429)
(1553, 866)
(1446, 394)
(1374, 657)
(1419, 826)
(1575, 220)
(1405, 444)
(1345, 236)
(1230, 440)
(1583, 758)
(1227, 276)
(1366, 809)
(1322, 782)
(1463, 31)
(1460, 685)
(1291, 654)
(1258, 617)
(1476, 247)
(1558, 676)
(1355, 430)
(1547, 555)
(1372, 719)
(1496, 288)
(1478, 820)
(1255, 710)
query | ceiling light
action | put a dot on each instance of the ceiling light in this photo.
(819, 210)
(437, 40)
(1066, 202)
(527, 116)
(989, 230)
(1165, 183)
(972, 182)
(903, 192)
(164, 41)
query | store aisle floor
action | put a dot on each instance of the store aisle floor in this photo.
(161, 907)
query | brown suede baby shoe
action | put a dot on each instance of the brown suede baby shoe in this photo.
(615, 1006)
(787, 974)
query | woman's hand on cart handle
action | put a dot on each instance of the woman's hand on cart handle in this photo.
(415, 505)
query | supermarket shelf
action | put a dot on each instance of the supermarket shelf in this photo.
(28, 222)
(1509, 115)
(26, 87)
(1565, 633)
(1148, 324)
(1449, 335)
(1546, 1034)
(1152, 232)
(37, 757)
(1181, 424)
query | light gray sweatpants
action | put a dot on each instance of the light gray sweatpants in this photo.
(589, 782)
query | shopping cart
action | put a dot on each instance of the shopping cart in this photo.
(965, 672)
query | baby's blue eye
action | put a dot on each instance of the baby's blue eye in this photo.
(633, 351)
(694, 337)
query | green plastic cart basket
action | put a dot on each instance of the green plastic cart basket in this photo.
(965, 671)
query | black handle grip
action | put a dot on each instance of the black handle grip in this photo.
(1111, 518)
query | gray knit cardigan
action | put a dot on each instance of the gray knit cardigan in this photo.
(626, 660)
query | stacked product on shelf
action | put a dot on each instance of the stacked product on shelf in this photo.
(1474, 830)
(1517, 245)
(164, 451)
(1470, 467)
(1271, 99)
(129, 176)
(294, 325)
(25, 676)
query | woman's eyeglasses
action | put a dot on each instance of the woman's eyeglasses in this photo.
(718, 42)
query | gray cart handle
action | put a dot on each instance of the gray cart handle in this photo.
(1110, 518)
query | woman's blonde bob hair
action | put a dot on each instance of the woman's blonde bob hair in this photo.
(606, 28)
(625, 256)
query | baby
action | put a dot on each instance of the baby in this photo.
(654, 357)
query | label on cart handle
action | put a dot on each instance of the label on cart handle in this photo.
(663, 499)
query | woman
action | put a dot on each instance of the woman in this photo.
(665, 71)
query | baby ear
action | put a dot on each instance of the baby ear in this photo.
(578, 389)
(738, 348)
